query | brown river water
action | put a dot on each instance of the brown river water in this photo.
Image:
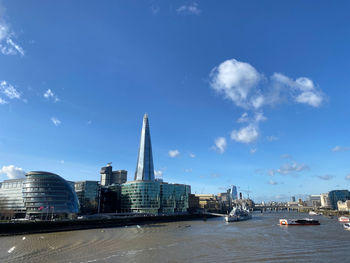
(258, 240)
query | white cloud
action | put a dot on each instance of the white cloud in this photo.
(246, 134)
(13, 172)
(192, 155)
(347, 177)
(302, 89)
(2, 101)
(249, 89)
(253, 150)
(9, 90)
(236, 81)
(326, 177)
(7, 44)
(340, 149)
(173, 153)
(55, 121)
(50, 95)
(288, 168)
(188, 170)
(272, 182)
(220, 144)
(158, 173)
(191, 9)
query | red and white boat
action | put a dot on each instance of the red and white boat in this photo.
(344, 219)
(299, 222)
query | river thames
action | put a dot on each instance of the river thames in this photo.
(258, 240)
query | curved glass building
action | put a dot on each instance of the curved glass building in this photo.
(47, 196)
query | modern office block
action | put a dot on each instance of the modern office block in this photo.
(338, 195)
(110, 177)
(110, 201)
(11, 199)
(234, 192)
(88, 196)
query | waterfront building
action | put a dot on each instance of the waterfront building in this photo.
(314, 201)
(338, 195)
(325, 202)
(225, 200)
(147, 195)
(88, 196)
(109, 177)
(47, 195)
(234, 192)
(344, 206)
(110, 199)
(208, 202)
(193, 203)
(11, 199)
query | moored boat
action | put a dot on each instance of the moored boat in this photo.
(299, 222)
(347, 226)
(344, 219)
(238, 214)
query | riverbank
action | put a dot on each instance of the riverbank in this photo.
(31, 227)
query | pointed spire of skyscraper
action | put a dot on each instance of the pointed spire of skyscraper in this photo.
(144, 166)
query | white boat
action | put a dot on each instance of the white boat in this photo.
(238, 214)
(313, 213)
(344, 219)
(347, 226)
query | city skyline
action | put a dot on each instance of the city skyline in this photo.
(230, 104)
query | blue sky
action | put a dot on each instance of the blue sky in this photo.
(251, 93)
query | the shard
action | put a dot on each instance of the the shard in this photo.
(144, 166)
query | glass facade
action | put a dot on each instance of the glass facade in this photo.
(87, 193)
(11, 199)
(110, 199)
(338, 195)
(47, 195)
(154, 197)
(140, 197)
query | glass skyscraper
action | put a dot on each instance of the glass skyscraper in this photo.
(147, 195)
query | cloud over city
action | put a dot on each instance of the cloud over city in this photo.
(191, 9)
(12, 172)
(173, 153)
(8, 46)
(220, 144)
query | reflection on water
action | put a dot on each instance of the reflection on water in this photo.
(258, 240)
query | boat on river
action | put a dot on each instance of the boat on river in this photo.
(238, 214)
(347, 226)
(313, 213)
(344, 219)
(299, 222)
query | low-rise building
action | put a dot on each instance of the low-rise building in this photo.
(344, 206)
(208, 202)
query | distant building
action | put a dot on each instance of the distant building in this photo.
(109, 177)
(110, 199)
(234, 192)
(344, 206)
(293, 198)
(208, 202)
(88, 196)
(11, 199)
(225, 200)
(314, 200)
(325, 202)
(338, 195)
(193, 203)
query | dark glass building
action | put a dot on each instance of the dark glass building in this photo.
(110, 199)
(88, 195)
(338, 195)
(47, 195)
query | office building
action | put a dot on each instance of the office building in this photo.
(11, 199)
(109, 177)
(314, 201)
(88, 196)
(338, 195)
(110, 199)
(344, 206)
(234, 192)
